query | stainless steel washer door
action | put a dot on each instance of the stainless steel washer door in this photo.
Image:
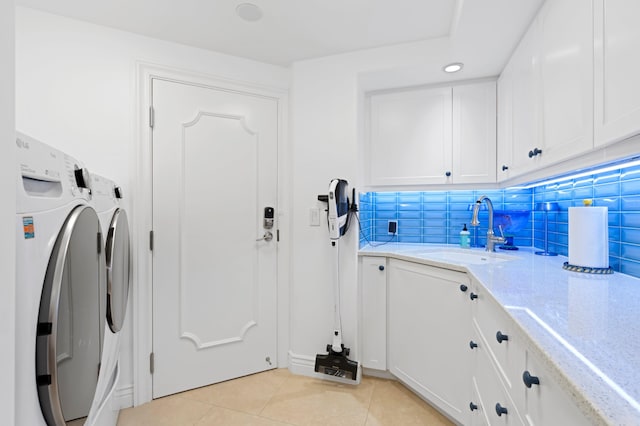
(117, 257)
(71, 321)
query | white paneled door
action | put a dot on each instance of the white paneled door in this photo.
(214, 284)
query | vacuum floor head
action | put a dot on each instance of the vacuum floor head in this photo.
(336, 364)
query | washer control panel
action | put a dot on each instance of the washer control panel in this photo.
(47, 176)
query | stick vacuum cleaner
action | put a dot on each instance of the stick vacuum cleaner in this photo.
(335, 363)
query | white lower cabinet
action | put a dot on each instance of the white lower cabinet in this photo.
(429, 317)
(373, 293)
(478, 415)
(448, 339)
(502, 341)
(545, 403)
(496, 406)
(528, 387)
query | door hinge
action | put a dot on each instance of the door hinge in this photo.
(151, 363)
(151, 116)
(151, 240)
(277, 235)
(99, 242)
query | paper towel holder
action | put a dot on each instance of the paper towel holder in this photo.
(546, 208)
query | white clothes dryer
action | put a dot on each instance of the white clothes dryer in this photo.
(60, 276)
(107, 201)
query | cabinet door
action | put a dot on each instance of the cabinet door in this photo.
(617, 67)
(504, 123)
(474, 133)
(410, 140)
(374, 312)
(429, 318)
(566, 76)
(525, 111)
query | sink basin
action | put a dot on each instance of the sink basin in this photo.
(465, 256)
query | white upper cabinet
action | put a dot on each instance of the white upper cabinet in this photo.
(474, 133)
(547, 87)
(525, 112)
(436, 135)
(617, 70)
(566, 76)
(410, 139)
(505, 123)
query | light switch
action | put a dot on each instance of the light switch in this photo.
(314, 217)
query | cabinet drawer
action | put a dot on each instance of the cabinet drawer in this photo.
(492, 394)
(504, 344)
(546, 402)
(478, 416)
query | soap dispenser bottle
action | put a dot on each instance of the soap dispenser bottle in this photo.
(464, 237)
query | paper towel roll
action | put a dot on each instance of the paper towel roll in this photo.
(589, 237)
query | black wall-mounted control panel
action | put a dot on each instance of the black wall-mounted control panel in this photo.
(268, 217)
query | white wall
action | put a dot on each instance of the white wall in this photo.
(76, 90)
(75, 84)
(326, 110)
(7, 214)
(327, 105)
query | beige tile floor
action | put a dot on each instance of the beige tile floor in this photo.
(278, 397)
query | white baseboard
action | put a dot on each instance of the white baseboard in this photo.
(123, 397)
(302, 364)
(381, 374)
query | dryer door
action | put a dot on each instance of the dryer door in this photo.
(71, 320)
(117, 256)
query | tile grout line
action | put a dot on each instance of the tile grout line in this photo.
(203, 416)
(284, 382)
(211, 406)
(373, 391)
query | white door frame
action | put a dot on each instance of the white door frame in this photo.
(142, 214)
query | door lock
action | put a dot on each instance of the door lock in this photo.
(268, 218)
(268, 236)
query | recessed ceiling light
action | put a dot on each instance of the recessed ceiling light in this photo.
(455, 67)
(249, 12)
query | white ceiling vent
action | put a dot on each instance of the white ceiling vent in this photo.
(249, 12)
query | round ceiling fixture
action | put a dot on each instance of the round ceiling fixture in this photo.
(249, 12)
(454, 67)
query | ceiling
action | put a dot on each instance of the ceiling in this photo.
(293, 30)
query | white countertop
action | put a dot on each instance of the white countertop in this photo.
(587, 325)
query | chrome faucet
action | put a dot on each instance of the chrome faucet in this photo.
(491, 238)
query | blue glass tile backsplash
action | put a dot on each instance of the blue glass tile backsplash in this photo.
(619, 190)
(438, 216)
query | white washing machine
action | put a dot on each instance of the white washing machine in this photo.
(60, 276)
(107, 201)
